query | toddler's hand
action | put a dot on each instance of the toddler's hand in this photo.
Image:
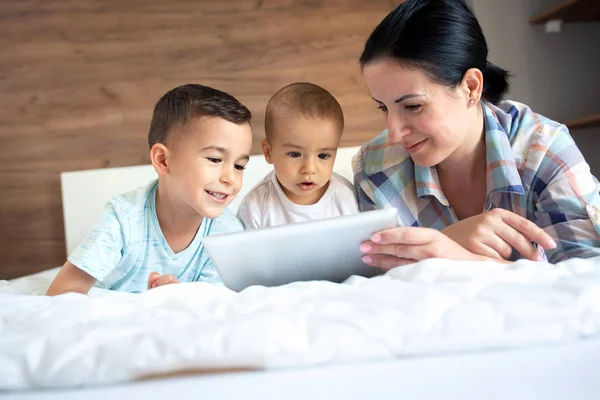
(155, 280)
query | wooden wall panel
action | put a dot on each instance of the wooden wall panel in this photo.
(78, 80)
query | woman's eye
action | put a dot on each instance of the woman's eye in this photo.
(293, 154)
(214, 159)
(324, 156)
(382, 108)
(414, 107)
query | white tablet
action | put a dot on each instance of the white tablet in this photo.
(326, 249)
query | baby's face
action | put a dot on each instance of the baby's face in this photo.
(206, 166)
(302, 151)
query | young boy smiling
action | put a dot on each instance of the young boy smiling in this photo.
(200, 140)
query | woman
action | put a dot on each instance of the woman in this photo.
(489, 179)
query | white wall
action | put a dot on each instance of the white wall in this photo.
(557, 74)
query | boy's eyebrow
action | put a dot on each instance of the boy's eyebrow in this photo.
(295, 146)
(402, 98)
(217, 148)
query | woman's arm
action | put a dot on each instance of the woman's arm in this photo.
(567, 200)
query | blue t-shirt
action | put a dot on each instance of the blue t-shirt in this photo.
(127, 244)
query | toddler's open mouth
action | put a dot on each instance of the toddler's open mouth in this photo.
(306, 186)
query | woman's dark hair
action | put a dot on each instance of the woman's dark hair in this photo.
(440, 37)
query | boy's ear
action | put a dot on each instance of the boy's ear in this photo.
(266, 148)
(159, 156)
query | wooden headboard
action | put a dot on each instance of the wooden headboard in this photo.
(78, 81)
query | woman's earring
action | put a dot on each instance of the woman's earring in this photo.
(472, 101)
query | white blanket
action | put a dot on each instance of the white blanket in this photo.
(435, 306)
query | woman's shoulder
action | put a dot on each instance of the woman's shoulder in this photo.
(519, 120)
(378, 154)
(529, 131)
(540, 145)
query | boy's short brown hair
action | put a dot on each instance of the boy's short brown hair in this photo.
(305, 98)
(184, 103)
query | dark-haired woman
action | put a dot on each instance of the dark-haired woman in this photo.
(473, 177)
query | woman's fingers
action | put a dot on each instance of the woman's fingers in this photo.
(518, 241)
(530, 231)
(492, 246)
(398, 250)
(405, 235)
(385, 262)
(408, 243)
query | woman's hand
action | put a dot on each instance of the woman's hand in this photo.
(155, 280)
(497, 232)
(400, 246)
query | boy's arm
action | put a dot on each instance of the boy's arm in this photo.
(95, 258)
(71, 279)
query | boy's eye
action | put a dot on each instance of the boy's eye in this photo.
(324, 156)
(413, 107)
(215, 160)
(382, 108)
(293, 154)
(240, 167)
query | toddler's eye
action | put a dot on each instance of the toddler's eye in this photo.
(324, 156)
(293, 154)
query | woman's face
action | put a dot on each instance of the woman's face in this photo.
(430, 120)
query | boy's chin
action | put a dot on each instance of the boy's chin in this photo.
(212, 212)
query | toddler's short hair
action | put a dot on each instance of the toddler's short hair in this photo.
(305, 98)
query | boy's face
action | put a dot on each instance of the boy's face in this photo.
(205, 166)
(302, 151)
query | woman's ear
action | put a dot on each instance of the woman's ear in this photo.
(472, 85)
(159, 156)
(266, 148)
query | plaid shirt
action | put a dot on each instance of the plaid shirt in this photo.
(534, 169)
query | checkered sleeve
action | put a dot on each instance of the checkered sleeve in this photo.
(364, 193)
(568, 200)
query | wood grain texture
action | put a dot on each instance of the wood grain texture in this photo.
(79, 79)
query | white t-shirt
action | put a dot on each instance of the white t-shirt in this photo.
(266, 205)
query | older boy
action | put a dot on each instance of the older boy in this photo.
(200, 140)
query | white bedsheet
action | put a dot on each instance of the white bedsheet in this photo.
(436, 306)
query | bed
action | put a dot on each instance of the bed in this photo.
(437, 329)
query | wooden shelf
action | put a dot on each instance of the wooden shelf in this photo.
(571, 11)
(586, 122)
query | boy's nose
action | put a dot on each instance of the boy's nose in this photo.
(227, 176)
(308, 167)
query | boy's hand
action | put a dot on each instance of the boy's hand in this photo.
(155, 280)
